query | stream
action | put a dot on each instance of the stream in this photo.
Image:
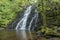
(22, 35)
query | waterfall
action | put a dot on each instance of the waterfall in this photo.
(22, 24)
(33, 18)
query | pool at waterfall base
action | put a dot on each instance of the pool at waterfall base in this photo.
(22, 35)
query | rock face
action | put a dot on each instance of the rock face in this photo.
(13, 24)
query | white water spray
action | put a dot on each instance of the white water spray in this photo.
(23, 22)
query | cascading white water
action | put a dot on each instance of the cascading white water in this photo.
(22, 22)
(33, 18)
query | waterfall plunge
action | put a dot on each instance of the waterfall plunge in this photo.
(23, 22)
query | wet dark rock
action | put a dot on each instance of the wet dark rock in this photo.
(13, 24)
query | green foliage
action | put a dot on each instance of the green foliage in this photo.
(50, 11)
(9, 9)
(47, 30)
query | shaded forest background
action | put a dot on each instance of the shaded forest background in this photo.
(49, 10)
